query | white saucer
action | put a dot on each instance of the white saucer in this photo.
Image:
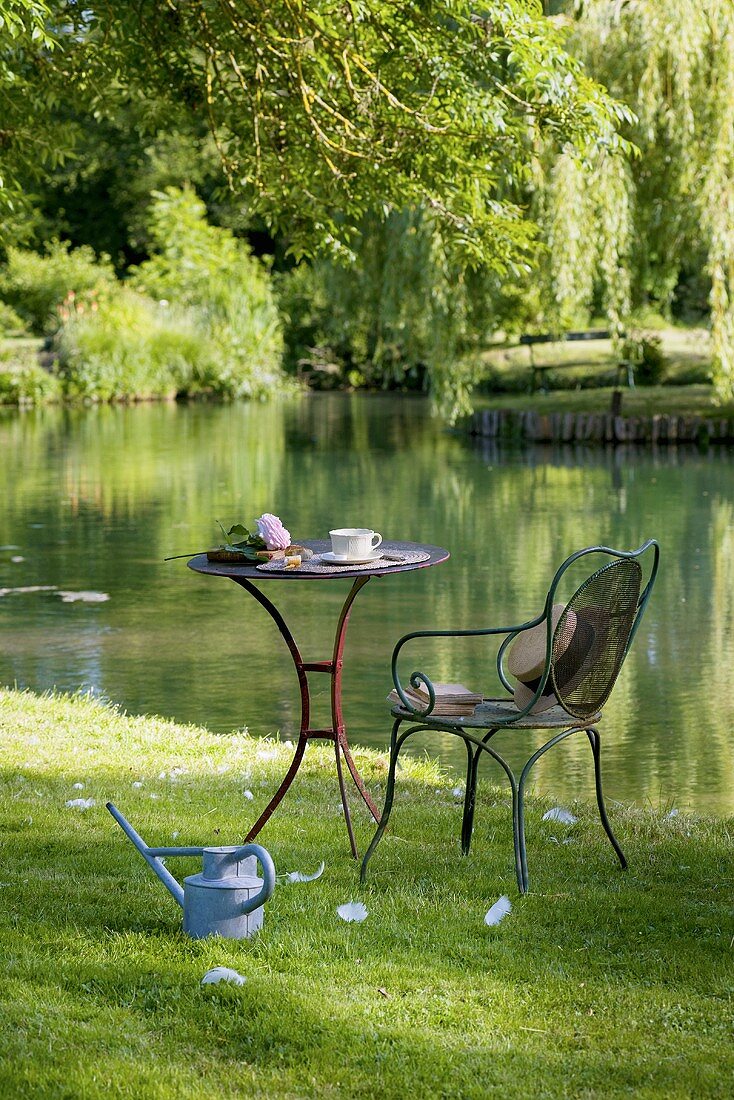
(337, 559)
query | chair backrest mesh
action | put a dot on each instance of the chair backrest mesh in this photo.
(590, 641)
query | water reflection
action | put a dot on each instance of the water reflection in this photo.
(96, 498)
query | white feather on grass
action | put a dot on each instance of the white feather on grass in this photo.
(498, 911)
(80, 803)
(558, 814)
(223, 974)
(298, 876)
(352, 911)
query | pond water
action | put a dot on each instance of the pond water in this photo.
(94, 499)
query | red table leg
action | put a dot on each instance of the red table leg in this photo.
(337, 732)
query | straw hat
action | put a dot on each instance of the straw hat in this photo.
(526, 656)
(572, 645)
(524, 693)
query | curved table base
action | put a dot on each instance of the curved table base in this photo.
(336, 732)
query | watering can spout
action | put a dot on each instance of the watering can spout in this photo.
(149, 855)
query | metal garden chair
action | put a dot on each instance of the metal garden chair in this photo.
(583, 646)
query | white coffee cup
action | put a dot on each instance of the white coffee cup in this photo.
(351, 543)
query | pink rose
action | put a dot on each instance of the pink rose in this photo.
(272, 531)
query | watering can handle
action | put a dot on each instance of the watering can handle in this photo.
(265, 861)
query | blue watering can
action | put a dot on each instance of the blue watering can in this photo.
(226, 898)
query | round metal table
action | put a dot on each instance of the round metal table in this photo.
(246, 575)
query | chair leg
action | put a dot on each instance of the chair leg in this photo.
(521, 800)
(520, 875)
(470, 797)
(515, 801)
(389, 795)
(518, 817)
(595, 742)
(472, 769)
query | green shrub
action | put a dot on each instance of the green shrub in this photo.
(303, 307)
(41, 288)
(495, 379)
(10, 323)
(694, 374)
(26, 383)
(132, 347)
(645, 351)
(199, 317)
(223, 288)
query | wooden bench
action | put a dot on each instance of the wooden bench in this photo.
(625, 369)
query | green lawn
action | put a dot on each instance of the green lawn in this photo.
(687, 351)
(685, 390)
(598, 984)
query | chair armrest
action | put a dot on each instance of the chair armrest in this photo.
(417, 677)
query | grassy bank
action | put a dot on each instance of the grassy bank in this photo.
(505, 373)
(683, 354)
(694, 400)
(684, 388)
(598, 984)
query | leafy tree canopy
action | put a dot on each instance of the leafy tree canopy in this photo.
(31, 132)
(321, 112)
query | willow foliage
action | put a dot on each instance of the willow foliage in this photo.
(405, 309)
(584, 211)
(673, 63)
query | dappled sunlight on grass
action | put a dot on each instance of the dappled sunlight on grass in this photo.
(597, 983)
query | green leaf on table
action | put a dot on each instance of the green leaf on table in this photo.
(248, 552)
(238, 533)
(240, 536)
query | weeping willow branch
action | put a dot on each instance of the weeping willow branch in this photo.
(673, 63)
